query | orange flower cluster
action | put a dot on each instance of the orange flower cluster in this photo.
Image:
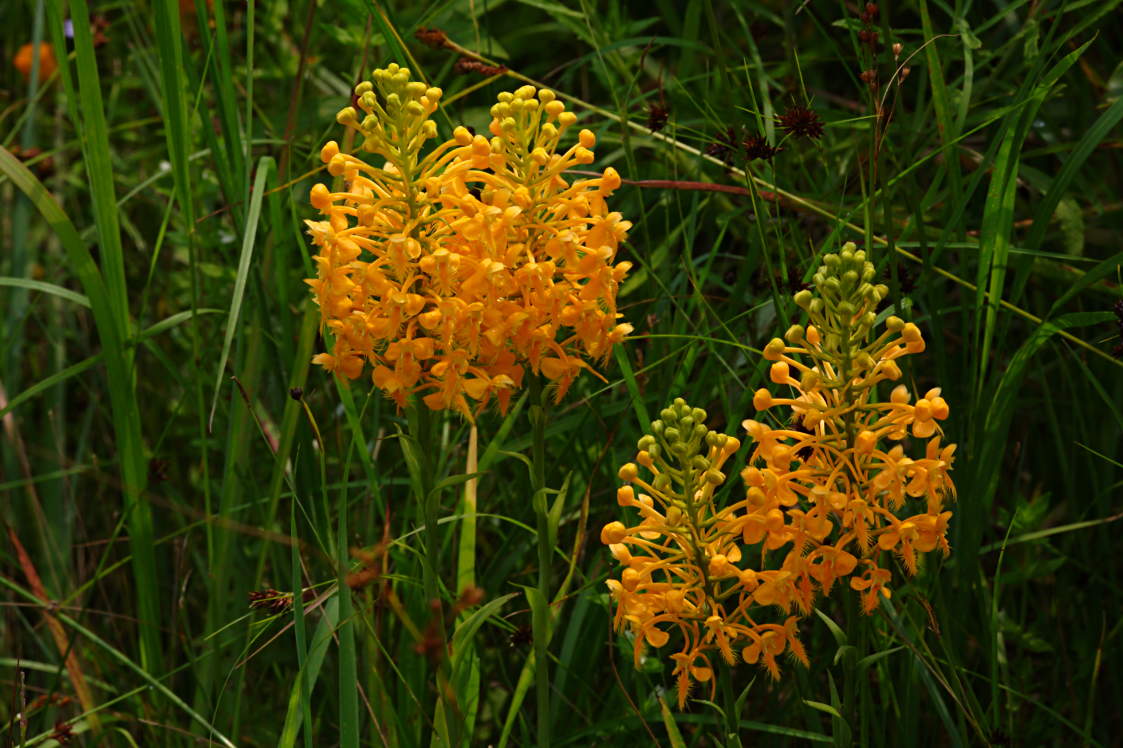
(454, 272)
(681, 561)
(828, 484)
(826, 495)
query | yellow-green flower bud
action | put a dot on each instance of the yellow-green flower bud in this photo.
(774, 349)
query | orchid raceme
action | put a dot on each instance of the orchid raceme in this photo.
(835, 486)
(681, 562)
(454, 272)
(826, 496)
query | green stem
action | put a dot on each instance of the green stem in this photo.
(732, 737)
(424, 447)
(540, 622)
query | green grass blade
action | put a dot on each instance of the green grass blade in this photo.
(51, 288)
(309, 673)
(249, 239)
(1088, 143)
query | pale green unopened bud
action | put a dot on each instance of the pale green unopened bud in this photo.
(715, 477)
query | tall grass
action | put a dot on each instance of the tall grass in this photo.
(168, 449)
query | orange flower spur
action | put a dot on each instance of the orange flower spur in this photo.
(454, 272)
(681, 563)
(835, 485)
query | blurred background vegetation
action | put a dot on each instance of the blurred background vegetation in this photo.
(159, 465)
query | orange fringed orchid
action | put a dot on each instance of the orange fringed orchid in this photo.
(681, 562)
(841, 461)
(455, 272)
(826, 496)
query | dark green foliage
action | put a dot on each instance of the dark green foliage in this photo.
(158, 465)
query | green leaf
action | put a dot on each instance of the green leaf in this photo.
(839, 635)
(825, 708)
(673, 733)
(467, 629)
(248, 240)
(311, 672)
(51, 288)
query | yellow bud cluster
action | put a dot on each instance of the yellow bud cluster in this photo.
(454, 272)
